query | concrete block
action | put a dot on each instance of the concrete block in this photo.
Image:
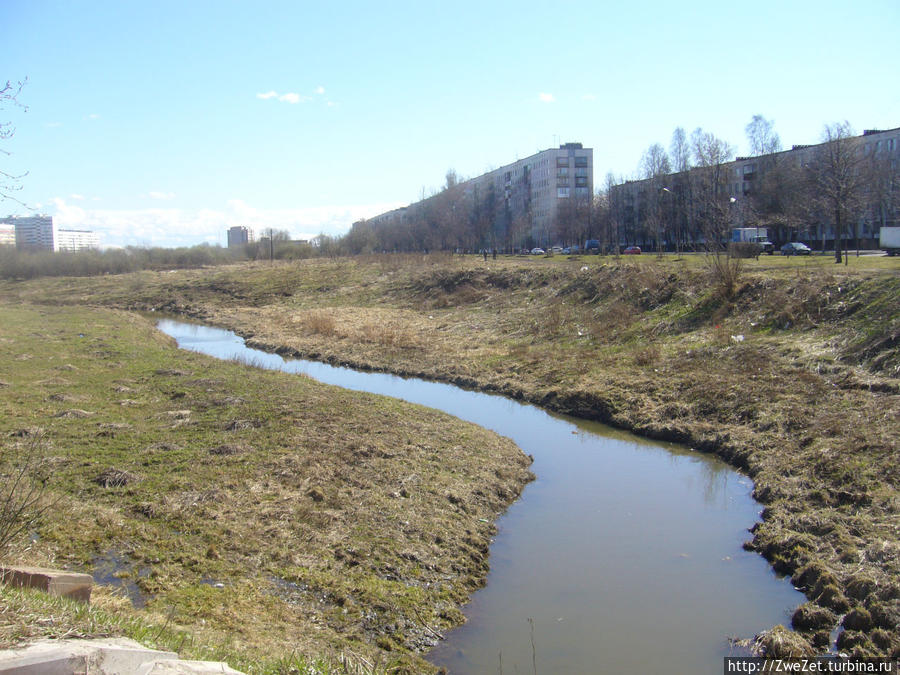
(114, 656)
(73, 585)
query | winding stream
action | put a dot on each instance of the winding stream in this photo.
(624, 556)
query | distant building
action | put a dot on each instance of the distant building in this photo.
(528, 201)
(645, 209)
(7, 235)
(76, 240)
(33, 233)
(239, 235)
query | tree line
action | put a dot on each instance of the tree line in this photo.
(686, 196)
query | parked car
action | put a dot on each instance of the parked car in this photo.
(537, 251)
(795, 248)
(592, 246)
(557, 250)
(632, 250)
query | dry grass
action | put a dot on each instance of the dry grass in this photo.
(325, 532)
(808, 402)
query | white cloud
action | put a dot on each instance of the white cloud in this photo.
(153, 194)
(546, 98)
(78, 197)
(93, 116)
(291, 97)
(589, 97)
(170, 227)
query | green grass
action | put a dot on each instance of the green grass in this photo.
(234, 478)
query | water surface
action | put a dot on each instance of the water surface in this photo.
(624, 556)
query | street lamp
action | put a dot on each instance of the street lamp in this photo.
(659, 250)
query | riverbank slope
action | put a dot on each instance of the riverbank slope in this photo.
(788, 371)
(240, 517)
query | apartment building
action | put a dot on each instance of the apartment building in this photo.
(639, 202)
(7, 235)
(239, 235)
(39, 233)
(33, 233)
(522, 201)
(76, 240)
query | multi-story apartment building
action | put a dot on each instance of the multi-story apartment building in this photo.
(525, 201)
(39, 233)
(76, 240)
(640, 204)
(239, 235)
(35, 233)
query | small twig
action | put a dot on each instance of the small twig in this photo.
(427, 627)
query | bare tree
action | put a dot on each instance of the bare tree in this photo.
(655, 162)
(838, 178)
(680, 151)
(762, 136)
(10, 182)
(713, 207)
(614, 211)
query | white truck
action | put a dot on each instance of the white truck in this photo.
(889, 240)
(753, 235)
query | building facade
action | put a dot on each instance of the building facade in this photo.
(33, 233)
(758, 191)
(239, 235)
(533, 201)
(7, 235)
(76, 240)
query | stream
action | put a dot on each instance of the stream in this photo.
(624, 556)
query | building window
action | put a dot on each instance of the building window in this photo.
(562, 172)
(562, 193)
(562, 161)
(582, 192)
(581, 172)
(580, 181)
(581, 161)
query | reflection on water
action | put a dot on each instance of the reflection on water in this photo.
(623, 556)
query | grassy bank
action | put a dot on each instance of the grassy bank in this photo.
(250, 522)
(790, 373)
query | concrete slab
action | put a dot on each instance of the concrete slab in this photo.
(73, 585)
(117, 656)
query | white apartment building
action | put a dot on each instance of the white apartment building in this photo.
(76, 240)
(7, 235)
(39, 233)
(530, 195)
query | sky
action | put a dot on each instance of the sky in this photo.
(164, 123)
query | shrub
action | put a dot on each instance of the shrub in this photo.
(23, 481)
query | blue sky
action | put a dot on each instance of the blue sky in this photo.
(163, 123)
